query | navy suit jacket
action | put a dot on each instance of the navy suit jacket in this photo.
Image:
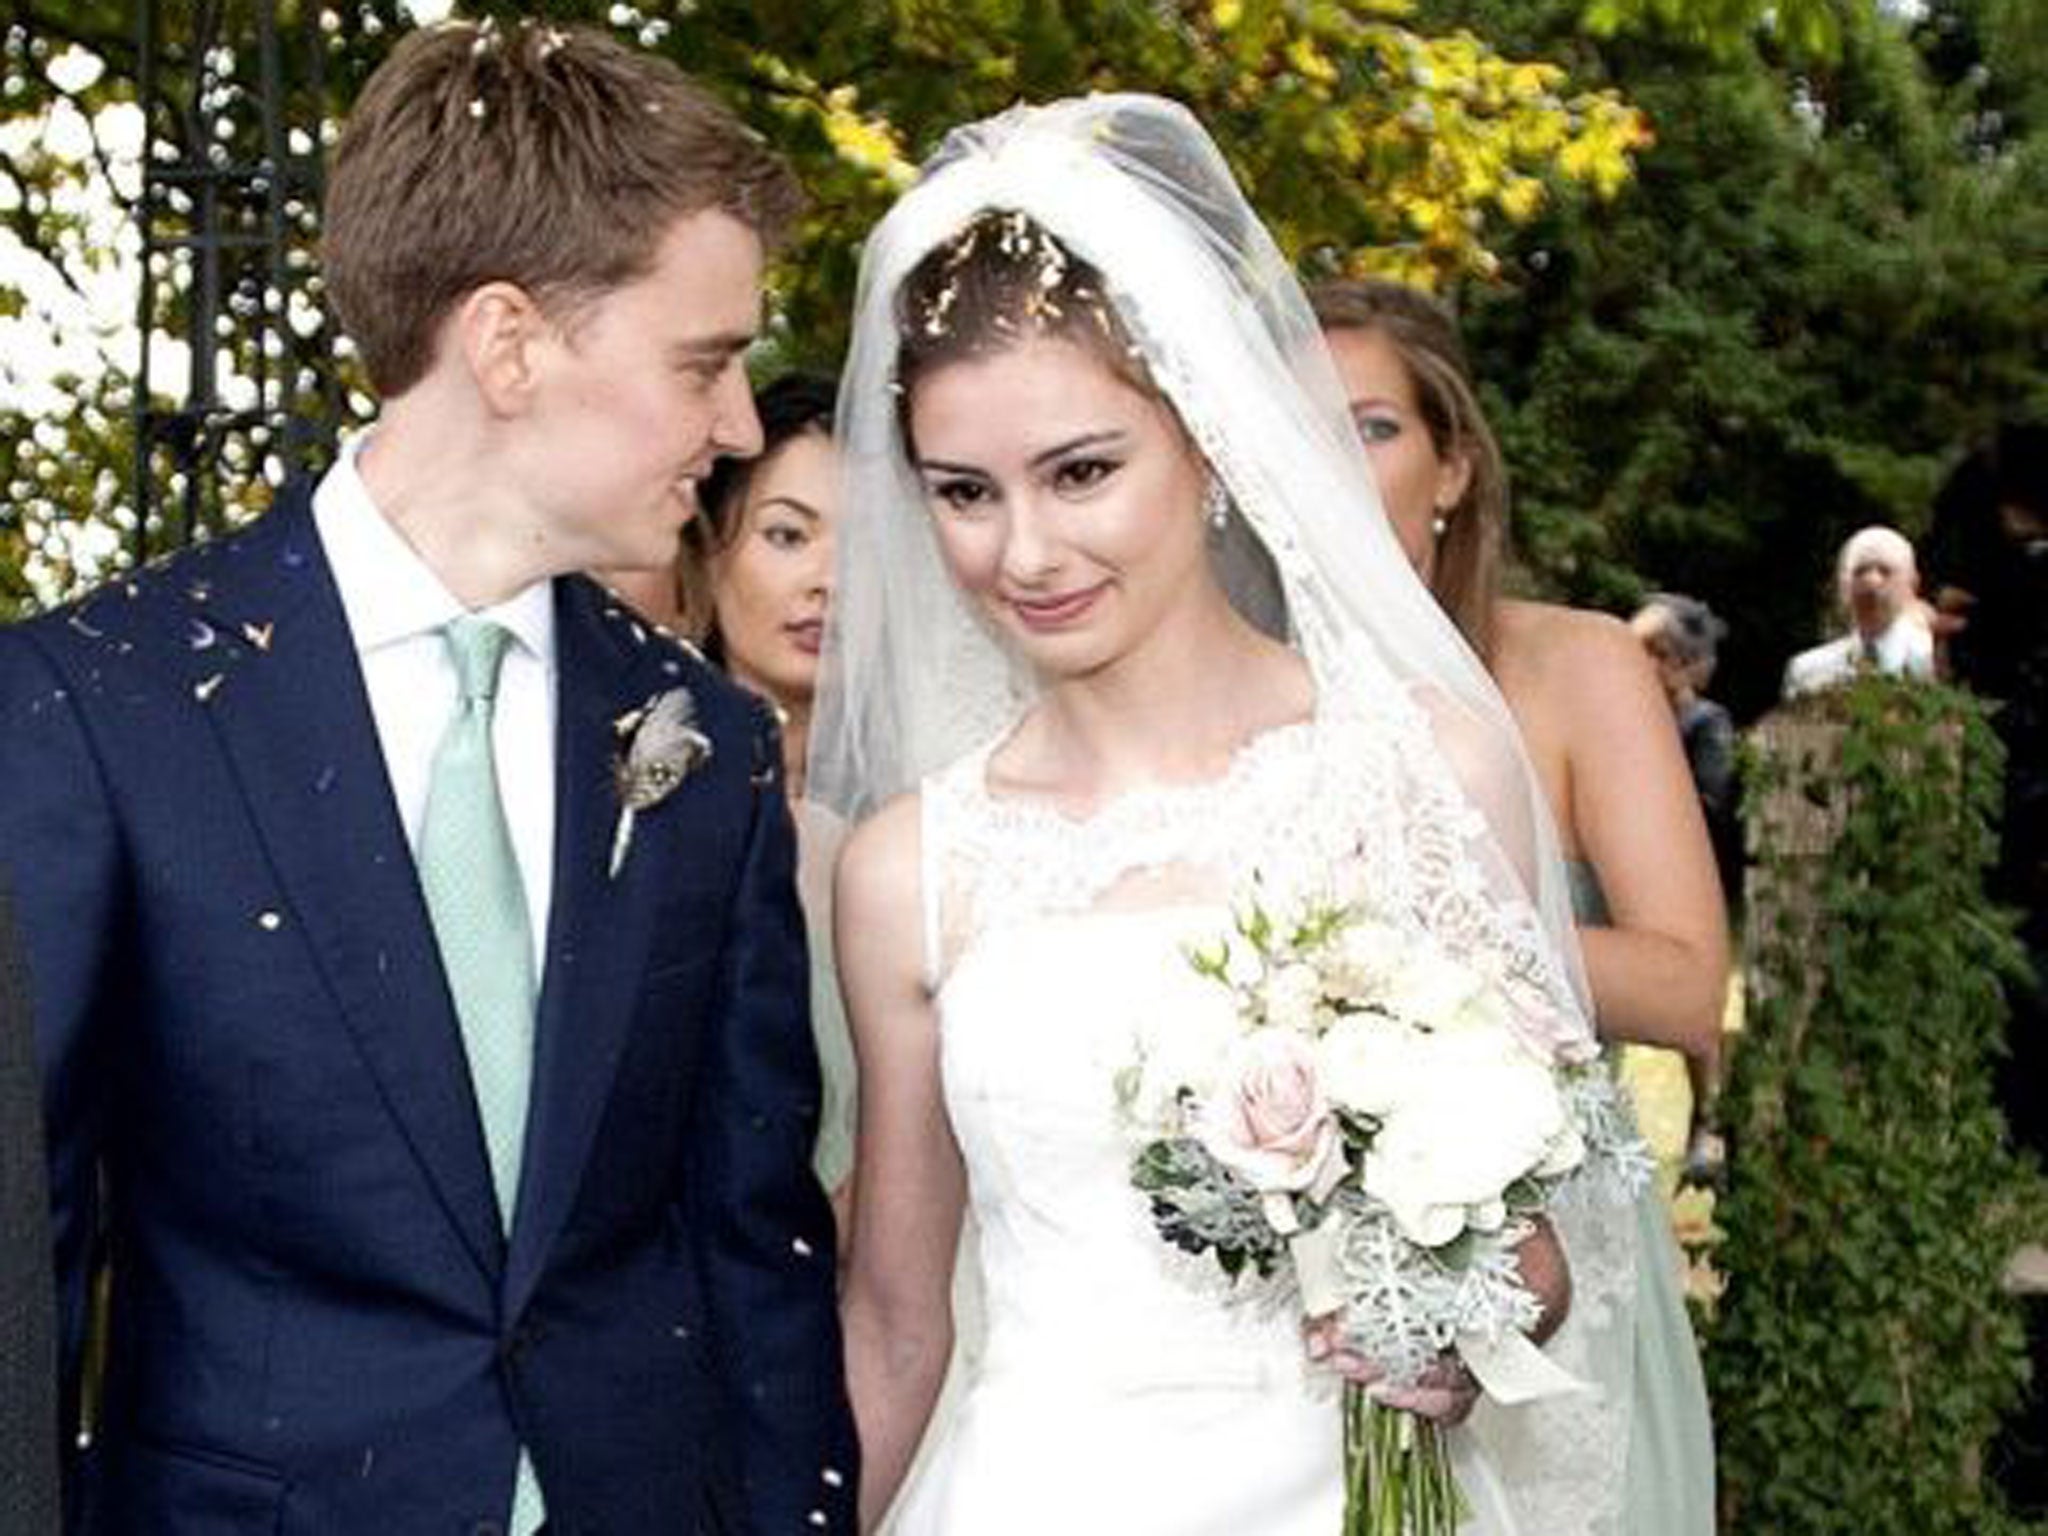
(28, 1359)
(248, 1045)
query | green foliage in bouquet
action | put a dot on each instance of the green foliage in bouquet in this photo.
(1865, 1352)
(1200, 1206)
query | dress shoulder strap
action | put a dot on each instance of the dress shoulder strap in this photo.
(950, 832)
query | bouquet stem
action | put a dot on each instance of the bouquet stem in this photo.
(1397, 1472)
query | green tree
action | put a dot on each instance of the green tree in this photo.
(1809, 27)
(1366, 141)
(70, 183)
(1815, 291)
(1865, 1349)
(1363, 140)
(1476, 145)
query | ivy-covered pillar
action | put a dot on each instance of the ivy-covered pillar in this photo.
(1865, 1351)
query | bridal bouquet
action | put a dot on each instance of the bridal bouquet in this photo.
(1367, 1119)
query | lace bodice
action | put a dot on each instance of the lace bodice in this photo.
(1103, 1356)
(1050, 939)
(1002, 861)
(1332, 807)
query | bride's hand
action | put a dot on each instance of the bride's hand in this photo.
(1446, 1392)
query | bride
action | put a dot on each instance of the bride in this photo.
(1112, 643)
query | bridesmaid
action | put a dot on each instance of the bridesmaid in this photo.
(751, 588)
(1598, 732)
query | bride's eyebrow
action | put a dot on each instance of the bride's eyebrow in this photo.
(1106, 439)
(1109, 438)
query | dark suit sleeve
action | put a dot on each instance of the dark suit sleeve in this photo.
(765, 1229)
(28, 1358)
(61, 856)
(1710, 750)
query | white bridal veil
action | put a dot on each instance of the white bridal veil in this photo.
(914, 679)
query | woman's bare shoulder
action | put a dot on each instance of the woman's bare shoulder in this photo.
(878, 865)
(1570, 666)
(1550, 635)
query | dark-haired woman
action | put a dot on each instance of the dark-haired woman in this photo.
(1071, 751)
(751, 588)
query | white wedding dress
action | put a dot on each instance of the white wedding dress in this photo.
(1118, 1386)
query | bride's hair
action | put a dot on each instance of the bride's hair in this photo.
(1000, 279)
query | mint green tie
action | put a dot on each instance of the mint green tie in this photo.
(478, 906)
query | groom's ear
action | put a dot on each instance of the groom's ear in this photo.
(498, 330)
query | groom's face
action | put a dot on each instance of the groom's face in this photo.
(638, 391)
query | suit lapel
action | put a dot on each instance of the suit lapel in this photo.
(296, 721)
(600, 925)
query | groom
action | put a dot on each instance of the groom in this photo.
(28, 1397)
(444, 1101)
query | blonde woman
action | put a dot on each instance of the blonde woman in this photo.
(1598, 733)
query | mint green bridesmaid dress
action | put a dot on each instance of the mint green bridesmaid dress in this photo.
(1670, 1480)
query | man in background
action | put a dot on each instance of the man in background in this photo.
(1877, 582)
(1682, 638)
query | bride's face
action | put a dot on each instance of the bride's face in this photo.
(1066, 501)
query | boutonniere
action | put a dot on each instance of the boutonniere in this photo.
(659, 747)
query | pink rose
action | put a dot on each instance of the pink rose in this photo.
(1270, 1120)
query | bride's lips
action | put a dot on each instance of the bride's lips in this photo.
(807, 635)
(1058, 611)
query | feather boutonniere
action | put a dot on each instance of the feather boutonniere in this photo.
(659, 747)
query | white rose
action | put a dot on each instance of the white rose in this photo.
(1182, 1043)
(1478, 1113)
(1440, 993)
(1365, 1062)
(1367, 954)
(1294, 997)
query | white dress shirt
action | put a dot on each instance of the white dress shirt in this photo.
(396, 607)
(1904, 648)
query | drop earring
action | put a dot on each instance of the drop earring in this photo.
(1438, 525)
(1216, 506)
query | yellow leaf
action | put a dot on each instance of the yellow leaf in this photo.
(1520, 198)
(867, 143)
(1311, 62)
